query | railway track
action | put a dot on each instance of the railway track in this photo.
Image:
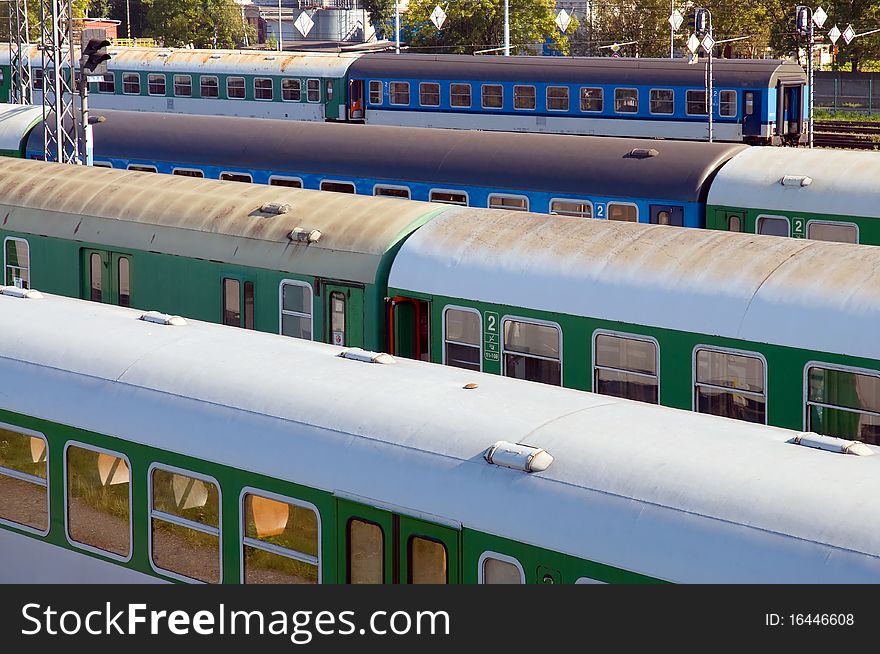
(853, 135)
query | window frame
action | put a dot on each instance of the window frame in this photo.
(651, 99)
(138, 92)
(21, 476)
(139, 168)
(771, 215)
(174, 85)
(510, 196)
(102, 164)
(177, 170)
(458, 307)
(269, 547)
(347, 182)
(271, 89)
(439, 97)
(601, 98)
(624, 204)
(164, 93)
(235, 172)
(285, 178)
(391, 94)
(535, 97)
(381, 92)
(470, 103)
(573, 200)
(309, 80)
(466, 195)
(201, 87)
(815, 363)
(687, 112)
(735, 113)
(626, 88)
(629, 336)
(6, 264)
(737, 352)
(392, 187)
(504, 558)
(131, 508)
(229, 96)
(105, 81)
(483, 96)
(534, 321)
(839, 223)
(282, 311)
(409, 555)
(567, 98)
(298, 89)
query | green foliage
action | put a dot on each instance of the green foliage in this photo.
(381, 16)
(203, 23)
(479, 24)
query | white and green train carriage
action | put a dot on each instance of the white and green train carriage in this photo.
(139, 446)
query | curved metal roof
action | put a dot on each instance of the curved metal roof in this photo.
(206, 219)
(16, 121)
(528, 162)
(718, 500)
(844, 183)
(806, 294)
(752, 73)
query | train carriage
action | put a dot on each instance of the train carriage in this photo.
(19, 123)
(141, 447)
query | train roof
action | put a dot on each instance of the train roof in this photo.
(755, 73)
(744, 286)
(667, 493)
(16, 121)
(531, 162)
(207, 219)
(841, 182)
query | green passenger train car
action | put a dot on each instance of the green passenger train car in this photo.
(15, 128)
(144, 447)
(726, 324)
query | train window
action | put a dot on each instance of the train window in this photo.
(576, 208)
(124, 276)
(156, 84)
(107, 83)
(337, 187)
(399, 93)
(512, 202)
(337, 318)
(392, 191)
(231, 302)
(24, 483)
(623, 212)
(235, 88)
(695, 103)
(557, 98)
(366, 548)
(96, 268)
(773, 225)
(460, 95)
(237, 177)
(448, 197)
(280, 541)
(427, 561)
(727, 106)
(462, 338)
(263, 88)
(836, 232)
(531, 351)
(626, 366)
(142, 168)
(102, 164)
(496, 568)
(749, 103)
(313, 90)
(429, 94)
(291, 90)
(730, 384)
(98, 489)
(493, 96)
(187, 172)
(662, 101)
(248, 305)
(588, 580)
(209, 87)
(734, 224)
(183, 86)
(296, 309)
(524, 97)
(185, 524)
(292, 182)
(375, 92)
(844, 403)
(17, 262)
(626, 101)
(131, 83)
(37, 79)
(591, 99)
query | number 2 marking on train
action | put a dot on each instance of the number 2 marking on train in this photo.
(600, 211)
(491, 322)
(799, 226)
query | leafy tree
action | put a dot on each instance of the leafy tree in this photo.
(863, 15)
(479, 24)
(204, 23)
(381, 16)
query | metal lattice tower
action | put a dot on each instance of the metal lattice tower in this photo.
(19, 53)
(60, 134)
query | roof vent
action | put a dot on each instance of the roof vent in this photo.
(796, 180)
(643, 153)
(25, 293)
(162, 319)
(519, 457)
(275, 208)
(357, 354)
(162, 54)
(215, 56)
(270, 58)
(832, 444)
(301, 235)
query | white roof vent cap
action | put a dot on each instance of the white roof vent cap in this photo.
(162, 319)
(25, 293)
(832, 444)
(357, 354)
(796, 180)
(519, 457)
(302, 235)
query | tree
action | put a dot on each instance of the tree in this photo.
(479, 24)
(863, 15)
(204, 23)
(381, 16)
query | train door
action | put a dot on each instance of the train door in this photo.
(237, 302)
(384, 547)
(344, 311)
(409, 328)
(106, 277)
(789, 115)
(667, 214)
(356, 99)
(751, 113)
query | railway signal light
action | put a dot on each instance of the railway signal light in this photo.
(94, 57)
(702, 22)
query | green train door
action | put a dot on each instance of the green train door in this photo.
(383, 547)
(237, 302)
(409, 328)
(106, 277)
(344, 309)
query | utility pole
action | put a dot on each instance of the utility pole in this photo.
(806, 19)
(61, 141)
(19, 53)
(397, 26)
(703, 30)
(506, 28)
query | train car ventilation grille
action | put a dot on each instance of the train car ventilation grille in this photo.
(832, 444)
(358, 354)
(23, 293)
(162, 319)
(519, 457)
(643, 153)
(302, 235)
(796, 180)
(275, 208)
